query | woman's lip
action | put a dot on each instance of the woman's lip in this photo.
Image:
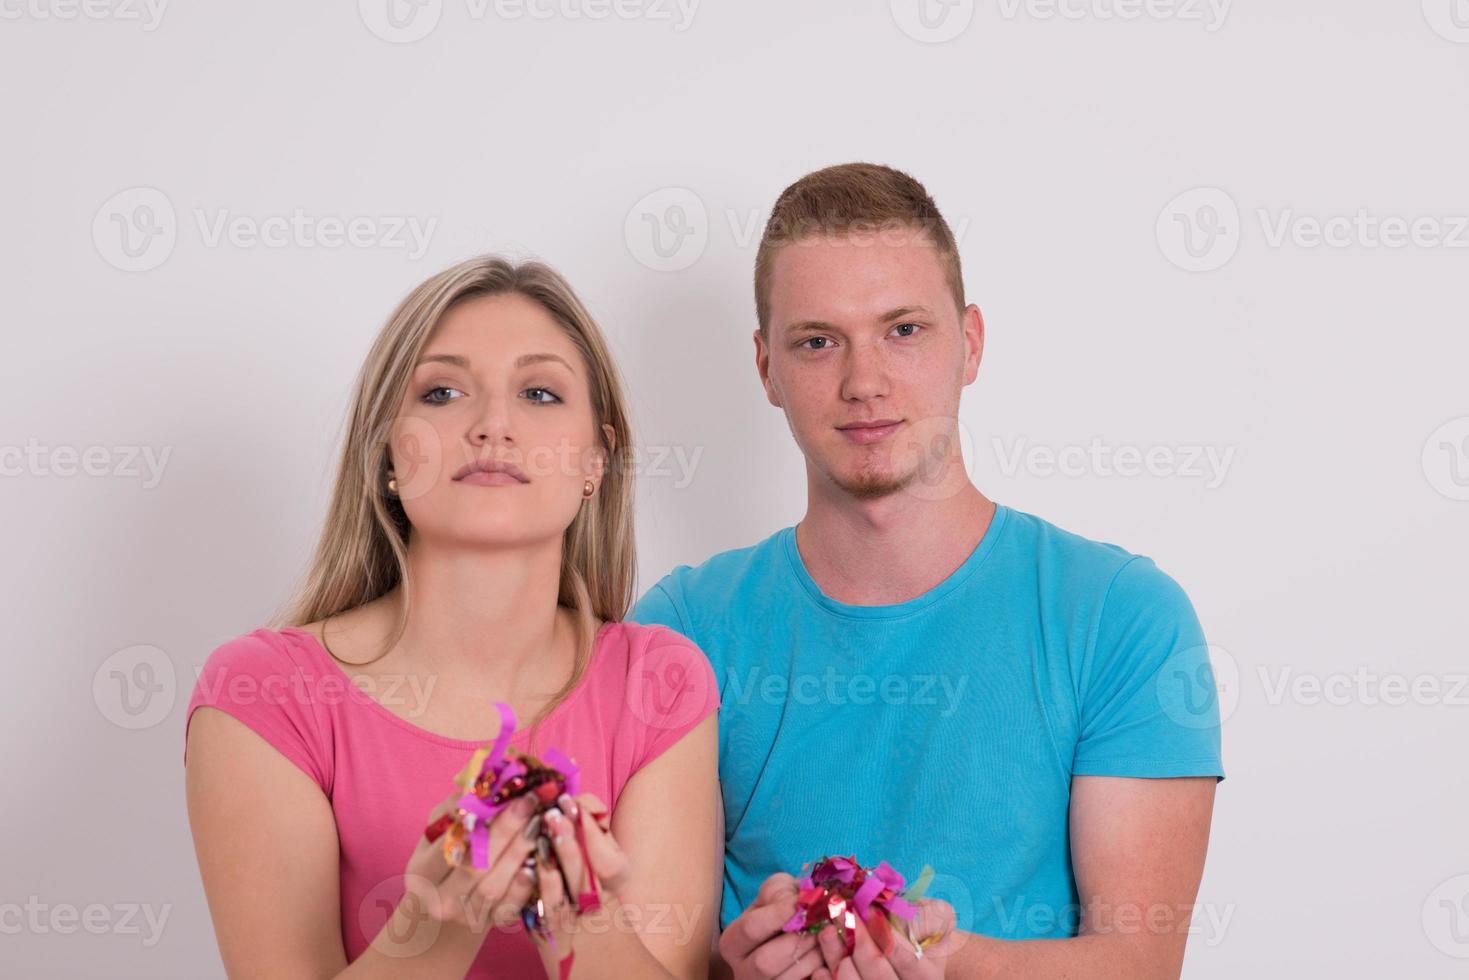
(491, 478)
(866, 435)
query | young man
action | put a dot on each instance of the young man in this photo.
(918, 675)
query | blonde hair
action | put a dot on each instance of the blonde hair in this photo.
(853, 198)
(362, 552)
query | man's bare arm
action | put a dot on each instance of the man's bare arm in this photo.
(1137, 849)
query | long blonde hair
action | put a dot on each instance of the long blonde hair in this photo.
(362, 552)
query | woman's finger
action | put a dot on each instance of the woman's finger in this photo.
(427, 859)
(609, 862)
(490, 892)
(568, 853)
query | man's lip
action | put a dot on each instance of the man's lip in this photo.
(870, 424)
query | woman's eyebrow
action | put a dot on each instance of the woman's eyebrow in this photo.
(522, 361)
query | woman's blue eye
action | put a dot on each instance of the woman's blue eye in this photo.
(903, 326)
(428, 395)
(533, 392)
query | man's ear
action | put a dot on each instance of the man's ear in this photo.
(972, 325)
(762, 365)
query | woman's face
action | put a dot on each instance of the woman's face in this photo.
(499, 381)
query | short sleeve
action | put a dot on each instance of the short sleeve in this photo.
(1148, 703)
(657, 608)
(256, 679)
(671, 689)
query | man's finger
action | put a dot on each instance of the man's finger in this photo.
(755, 926)
(871, 964)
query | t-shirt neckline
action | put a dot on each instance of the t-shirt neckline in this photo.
(955, 578)
(381, 710)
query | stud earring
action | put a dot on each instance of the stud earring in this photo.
(392, 486)
(588, 489)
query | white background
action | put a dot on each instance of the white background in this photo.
(1329, 551)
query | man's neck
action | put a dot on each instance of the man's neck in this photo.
(891, 549)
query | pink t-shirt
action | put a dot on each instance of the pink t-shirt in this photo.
(645, 688)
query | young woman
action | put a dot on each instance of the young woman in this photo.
(478, 549)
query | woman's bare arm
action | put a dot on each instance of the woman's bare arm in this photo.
(266, 840)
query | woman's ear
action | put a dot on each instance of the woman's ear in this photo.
(611, 435)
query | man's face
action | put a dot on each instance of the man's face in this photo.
(868, 355)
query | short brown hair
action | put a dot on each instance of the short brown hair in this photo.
(847, 199)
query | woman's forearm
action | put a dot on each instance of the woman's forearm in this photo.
(412, 944)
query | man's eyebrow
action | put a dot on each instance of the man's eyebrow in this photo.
(522, 361)
(902, 311)
(821, 326)
(811, 326)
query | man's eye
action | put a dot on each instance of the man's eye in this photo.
(534, 394)
(429, 396)
(821, 342)
(911, 329)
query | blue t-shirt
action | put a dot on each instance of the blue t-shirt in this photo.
(943, 730)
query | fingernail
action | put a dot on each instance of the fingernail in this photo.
(556, 820)
(532, 827)
(569, 805)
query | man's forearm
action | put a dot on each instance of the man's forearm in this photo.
(1097, 957)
